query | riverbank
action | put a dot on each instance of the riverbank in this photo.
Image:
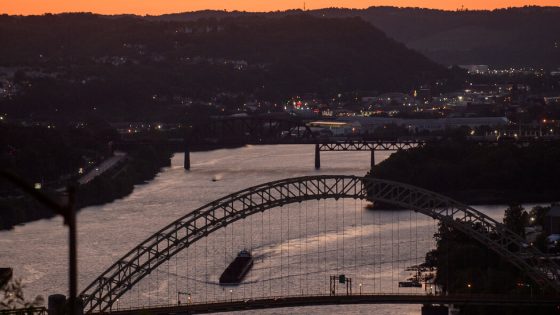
(141, 164)
(478, 174)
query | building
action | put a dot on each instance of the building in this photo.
(337, 128)
(552, 220)
(369, 124)
(475, 68)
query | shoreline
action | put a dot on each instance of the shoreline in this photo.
(139, 168)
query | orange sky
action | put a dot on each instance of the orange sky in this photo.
(169, 6)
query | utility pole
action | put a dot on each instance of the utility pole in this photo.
(70, 221)
(68, 212)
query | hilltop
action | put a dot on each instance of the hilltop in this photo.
(126, 62)
(526, 36)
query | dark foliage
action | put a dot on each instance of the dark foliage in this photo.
(128, 66)
(465, 266)
(525, 36)
(475, 173)
(52, 156)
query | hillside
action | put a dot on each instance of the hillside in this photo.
(512, 37)
(477, 174)
(528, 36)
(101, 61)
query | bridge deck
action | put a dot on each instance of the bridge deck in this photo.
(318, 300)
(380, 145)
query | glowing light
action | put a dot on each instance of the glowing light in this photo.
(172, 6)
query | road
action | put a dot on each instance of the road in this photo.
(106, 165)
(314, 300)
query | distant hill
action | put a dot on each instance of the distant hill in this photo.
(129, 60)
(528, 36)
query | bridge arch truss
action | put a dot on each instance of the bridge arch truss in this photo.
(185, 231)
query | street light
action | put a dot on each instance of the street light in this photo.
(230, 295)
(179, 293)
(360, 289)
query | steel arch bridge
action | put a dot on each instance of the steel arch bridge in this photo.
(104, 291)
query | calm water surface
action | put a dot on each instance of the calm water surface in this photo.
(378, 245)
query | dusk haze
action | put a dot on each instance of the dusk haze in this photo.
(153, 7)
(174, 157)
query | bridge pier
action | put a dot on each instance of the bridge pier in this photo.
(372, 161)
(429, 309)
(187, 161)
(317, 157)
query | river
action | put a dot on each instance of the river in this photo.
(378, 245)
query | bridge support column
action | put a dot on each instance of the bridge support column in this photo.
(372, 161)
(429, 309)
(187, 162)
(317, 157)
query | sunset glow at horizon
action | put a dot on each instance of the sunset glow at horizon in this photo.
(156, 7)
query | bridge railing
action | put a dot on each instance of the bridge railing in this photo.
(385, 298)
(25, 311)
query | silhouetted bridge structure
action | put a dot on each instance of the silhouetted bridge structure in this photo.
(321, 300)
(241, 130)
(349, 145)
(371, 146)
(280, 129)
(103, 293)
